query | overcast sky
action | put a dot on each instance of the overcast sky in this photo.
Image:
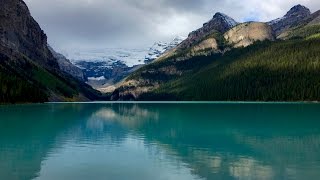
(89, 24)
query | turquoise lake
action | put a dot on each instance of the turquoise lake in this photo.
(160, 141)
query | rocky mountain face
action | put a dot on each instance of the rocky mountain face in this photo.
(293, 17)
(219, 23)
(29, 72)
(66, 65)
(307, 28)
(209, 43)
(246, 34)
(171, 67)
(204, 39)
(217, 37)
(20, 33)
(179, 61)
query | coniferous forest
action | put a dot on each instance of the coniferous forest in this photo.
(266, 71)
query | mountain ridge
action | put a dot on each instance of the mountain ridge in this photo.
(295, 15)
(66, 65)
(220, 22)
(164, 74)
(100, 72)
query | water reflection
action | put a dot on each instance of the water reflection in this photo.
(160, 141)
(127, 115)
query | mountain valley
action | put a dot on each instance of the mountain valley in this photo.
(224, 60)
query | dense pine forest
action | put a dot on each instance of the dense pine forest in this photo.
(266, 71)
(15, 87)
(24, 81)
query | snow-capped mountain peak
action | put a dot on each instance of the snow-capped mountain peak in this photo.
(295, 15)
(130, 57)
(104, 67)
(231, 22)
(161, 47)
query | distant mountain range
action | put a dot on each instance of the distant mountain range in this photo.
(226, 60)
(103, 68)
(223, 60)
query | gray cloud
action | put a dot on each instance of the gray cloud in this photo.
(83, 24)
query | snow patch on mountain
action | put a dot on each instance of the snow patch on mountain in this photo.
(231, 22)
(275, 21)
(129, 57)
(103, 67)
(160, 47)
(96, 78)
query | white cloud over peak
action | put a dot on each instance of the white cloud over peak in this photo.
(81, 24)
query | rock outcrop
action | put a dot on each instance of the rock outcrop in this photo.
(20, 33)
(28, 70)
(293, 17)
(204, 38)
(206, 45)
(246, 34)
(219, 23)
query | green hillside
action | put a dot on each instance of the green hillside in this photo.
(24, 81)
(301, 32)
(266, 71)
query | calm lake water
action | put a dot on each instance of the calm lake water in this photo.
(160, 141)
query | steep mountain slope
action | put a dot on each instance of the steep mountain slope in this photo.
(246, 34)
(245, 63)
(313, 19)
(20, 33)
(219, 23)
(308, 28)
(66, 66)
(268, 71)
(293, 17)
(161, 47)
(28, 70)
(208, 37)
(152, 76)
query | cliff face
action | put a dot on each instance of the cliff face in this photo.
(207, 44)
(20, 33)
(246, 34)
(205, 38)
(28, 70)
(219, 23)
(293, 17)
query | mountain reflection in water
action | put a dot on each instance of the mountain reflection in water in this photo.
(160, 141)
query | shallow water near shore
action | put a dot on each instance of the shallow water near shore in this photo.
(160, 141)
